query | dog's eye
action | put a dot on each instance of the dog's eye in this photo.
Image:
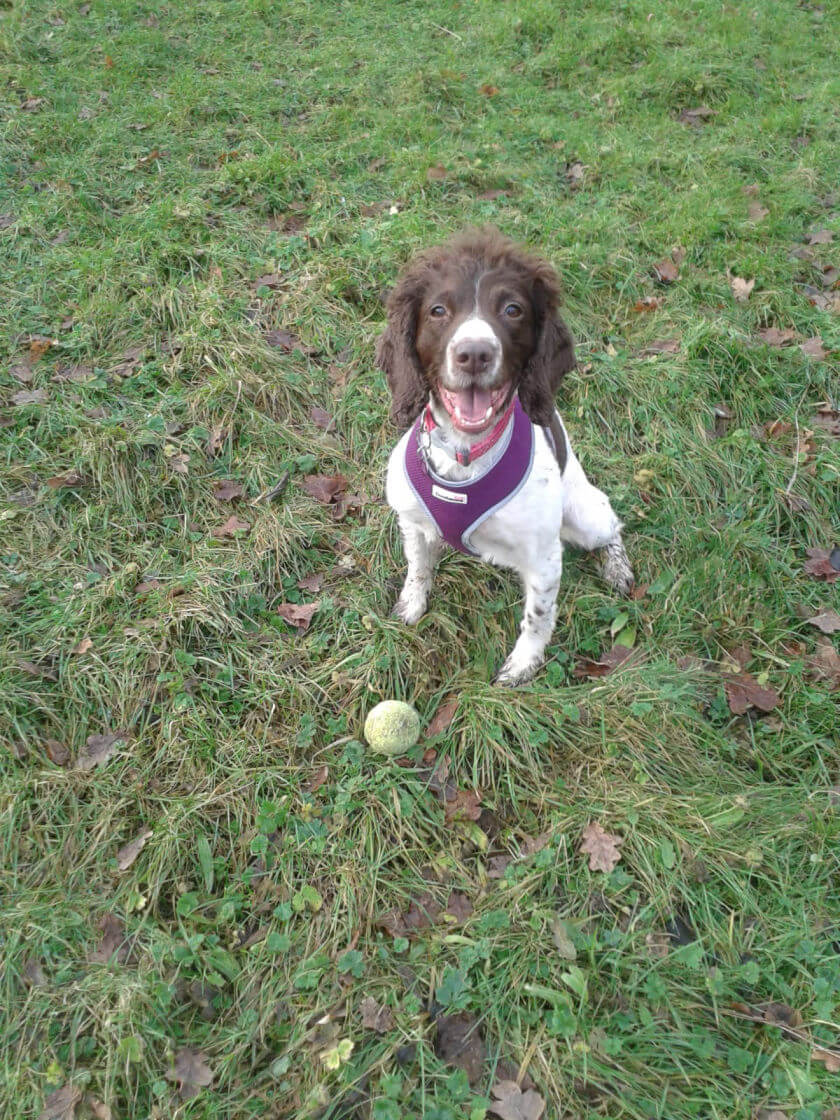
(438, 311)
(513, 311)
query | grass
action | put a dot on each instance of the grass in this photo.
(157, 161)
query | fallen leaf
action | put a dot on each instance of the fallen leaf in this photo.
(575, 174)
(22, 373)
(191, 1071)
(98, 749)
(321, 418)
(37, 670)
(492, 194)
(7, 219)
(422, 913)
(827, 419)
(436, 172)
(443, 717)
(607, 663)
(601, 847)
(827, 621)
(813, 348)
(286, 342)
(324, 488)
(822, 563)
(231, 527)
(562, 941)
(99, 1109)
(459, 1043)
(113, 941)
(775, 337)
(57, 752)
(829, 1058)
(227, 490)
(128, 361)
(66, 481)
(743, 692)
(512, 1104)
(318, 779)
(298, 614)
(825, 664)
(666, 271)
(497, 865)
(741, 288)
(33, 104)
(154, 156)
(79, 374)
(130, 851)
(649, 303)
(375, 1016)
(696, 116)
(464, 805)
(662, 346)
(820, 237)
(757, 212)
(459, 907)
(33, 973)
(84, 645)
(61, 1104)
(216, 441)
(311, 583)
(658, 944)
(488, 90)
(29, 396)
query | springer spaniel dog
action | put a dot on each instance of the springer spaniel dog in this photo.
(473, 353)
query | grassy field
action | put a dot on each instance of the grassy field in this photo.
(201, 206)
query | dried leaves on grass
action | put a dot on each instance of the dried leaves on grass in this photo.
(511, 1103)
(98, 749)
(130, 851)
(298, 615)
(375, 1016)
(743, 692)
(822, 563)
(191, 1071)
(607, 663)
(601, 847)
(61, 1104)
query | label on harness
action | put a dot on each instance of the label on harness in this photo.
(449, 495)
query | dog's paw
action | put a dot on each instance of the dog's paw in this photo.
(409, 610)
(515, 672)
(616, 569)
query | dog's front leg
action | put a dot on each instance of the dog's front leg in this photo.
(421, 552)
(541, 584)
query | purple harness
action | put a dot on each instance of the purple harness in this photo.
(458, 508)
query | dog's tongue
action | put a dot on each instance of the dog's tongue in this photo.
(472, 404)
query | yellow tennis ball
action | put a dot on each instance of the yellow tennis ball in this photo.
(392, 727)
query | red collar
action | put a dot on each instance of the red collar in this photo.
(483, 445)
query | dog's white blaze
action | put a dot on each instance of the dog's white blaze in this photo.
(475, 330)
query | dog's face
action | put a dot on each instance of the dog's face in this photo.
(470, 323)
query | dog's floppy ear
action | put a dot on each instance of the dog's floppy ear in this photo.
(554, 353)
(396, 354)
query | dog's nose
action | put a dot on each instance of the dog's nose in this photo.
(473, 357)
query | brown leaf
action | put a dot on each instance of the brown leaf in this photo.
(375, 1016)
(57, 752)
(827, 621)
(318, 779)
(696, 116)
(298, 614)
(437, 172)
(658, 944)
(459, 1042)
(820, 237)
(827, 419)
(61, 1104)
(822, 563)
(757, 212)
(79, 374)
(488, 90)
(22, 373)
(130, 851)
(459, 907)
(607, 663)
(311, 583)
(69, 480)
(666, 271)
(825, 664)
(286, 342)
(227, 490)
(498, 865)
(512, 1104)
(98, 749)
(231, 527)
(37, 670)
(191, 1071)
(321, 418)
(662, 346)
(29, 396)
(464, 805)
(575, 173)
(741, 288)
(324, 488)
(216, 441)
(99, 1109)
(154, 156)
(84, 645)
(775, 337)
(813, 348)
(743, 692)
(422, 912)
(443, 717)
(492, 194)
(33, 973)
(829, 1058)
(6, 219)
(601, 847)
(649, 303)
(113, 941)
(33, 104)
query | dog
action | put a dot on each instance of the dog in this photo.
(473, 353)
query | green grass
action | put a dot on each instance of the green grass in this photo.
(255, 113)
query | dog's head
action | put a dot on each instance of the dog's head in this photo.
(470, 322)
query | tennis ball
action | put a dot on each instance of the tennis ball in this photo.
(392, 727)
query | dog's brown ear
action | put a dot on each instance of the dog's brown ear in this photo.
(554, 353)
(396, 354)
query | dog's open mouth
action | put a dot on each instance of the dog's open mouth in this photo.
(473, 409)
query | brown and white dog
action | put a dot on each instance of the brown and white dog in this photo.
(472, 324)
